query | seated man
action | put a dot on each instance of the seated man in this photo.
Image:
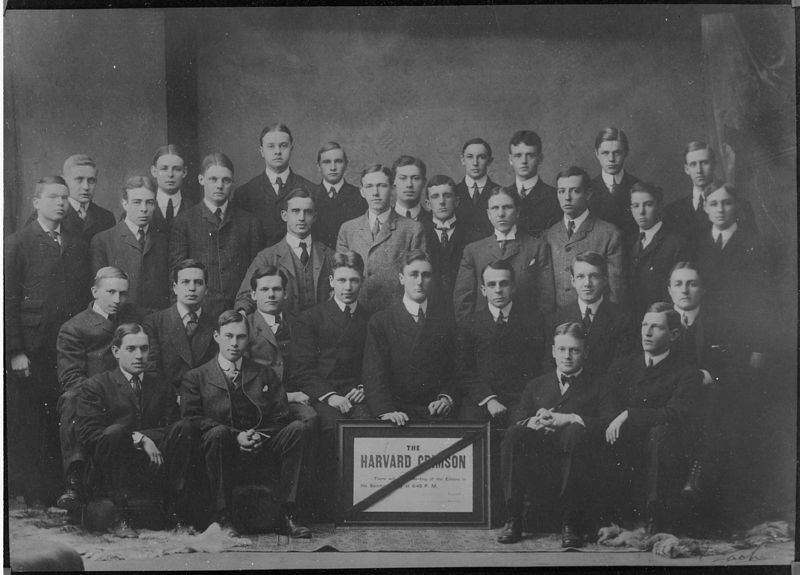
(237, 412)
(545, 443)
(408, 355)
(499, 348)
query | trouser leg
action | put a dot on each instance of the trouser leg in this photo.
(219, 449)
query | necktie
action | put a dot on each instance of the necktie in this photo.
(348, 312)
(421, 317)
(170, 211)
(649, 362)
(408, 214)
(278, 186)
(376, 229)
(700, 203)
(191, 324)
(136, 385)
(718, 242)
(55, 236)
(566, 381)
(570, 228)
(612, 189)
(332, 193)
(233, 376)
(141, 236)
(112, 317)
(445, 240)
(475, 193)
(82, 211)
(587, 319)
(501, 320)
(502, 246)
(685, 319)
(304, 254)
(642, 237)
(523, 193)
(218, 214)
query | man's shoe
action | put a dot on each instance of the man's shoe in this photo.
(569, 536)
(512, 532)
(71, 499)
(289, 527)
(692, 488)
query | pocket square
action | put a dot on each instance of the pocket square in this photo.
(532, 262)
(265, 389)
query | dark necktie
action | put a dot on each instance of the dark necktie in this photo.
(278, 186)
(136, 385)
(191, 324)
(170, 211)
(587, 319)
(112, 317)
(303, 254)
(348, 312)
(642, 237)
(55, 236)
(421, 317)
(142, 237)
(523, 193)
(718, 242)
(502, 246)
(376, 229)
(685, 320)
(649, 362)
(218, 214)
(332, 193)
(700, 204)
(281, 329)
(408, 214)
(444, 238)
(82, 209)
(501, 319)
(570, 229)
(475, 193)
(612, 189)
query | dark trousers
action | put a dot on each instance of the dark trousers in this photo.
(469, 411)
(417, 412)
(71, 448)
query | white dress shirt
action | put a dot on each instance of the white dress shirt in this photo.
(578, 221)
(163, 198)
(649, 234)
(527, 185)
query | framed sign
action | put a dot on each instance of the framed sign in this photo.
(418, 474)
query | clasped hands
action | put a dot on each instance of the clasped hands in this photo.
(549, 420)
(345, 403)
(251, 440)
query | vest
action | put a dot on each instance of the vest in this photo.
(244, 415)
(306, 294)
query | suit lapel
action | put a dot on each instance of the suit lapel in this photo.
(284, 253)
(125, 388)
(178, 336)
(45, 239)
(582, 231)
(317, 261)
(364, 234)
(512, 248)
(263, 330)
(657, 240)
(601, 320)
(127, 237)
(386, 229)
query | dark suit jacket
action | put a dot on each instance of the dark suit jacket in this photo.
(532, 266)
(159, 219)
(538, 210)
(259, 198)
(97, 220)
(446, 261)
(108, 398)
(204, 396)
(472, 214)
(147, 270)
(701, 344)
(650, 268)
(381, 255)
(405, 364)
(683, 218)
(613, 334)
(328, 349)
(264, 348)
(226, 250)
(494, 360)
(280, 255)
(583, 397)
(172, 354)
(331, 214)
(43, 287)
(614, 209)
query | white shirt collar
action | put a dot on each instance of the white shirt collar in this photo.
(690, 313)
(227, 365)
(76, 205)
(656, 358)
(470, 183)
(527, 184)
(337, 186)
(511, 235)
(650, 234)
(213, 209)
(382, 218)
(592, 306)
(608, 179)
(134, 228)
(294, 242)
(448, 224)
(97, 309)
(47, 231)
(578, 221)
(183, 310)
(269, 318)
(341, 304)
(129, 376)
(560, 374)
(495, 311)
(414, 211)
(273, 177)
(726, 233)
(163, 198)
(696, 193)
(413, 307)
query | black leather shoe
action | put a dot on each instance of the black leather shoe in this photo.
(71, 499)
(512, 532)
(692, 488)
(289, 527)
(569, 536)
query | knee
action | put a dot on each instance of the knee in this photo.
(115, 432)
(513, 435)
(185, 430)
(657, 434)
(571, 436)
(217, 436)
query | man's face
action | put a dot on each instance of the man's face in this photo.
(169, 173)
(332, 166)
(217, 182)
(569, 353)
(140, 206)
(442, 201)
(686, 289)
(502, 212)
(190, 289)
(110, 294)
(81, 181)
(416, 278)
(699, 167)
(588, 282)
(645, 210)
(375, 188)
(346, 284)
(232, 340)
(497, 287)
(721, 208)
(656, 336)
(572, 196)
(408, 185)
(299, 216)
(269, 295)
(276, 149)
(132, 353)
(476, 161)
(524, 160)
(51, 205)
(611, 155)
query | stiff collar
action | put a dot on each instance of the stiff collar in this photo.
(273, 177)
(528, 184)
(592, 306)
(609, 179)
(650, 234)
(412, 307)
(495, 311)
(578, 221)
(656, 358)
(470, 183)
(163, 198)
(213, 209)
(511, 235)
(341, 305)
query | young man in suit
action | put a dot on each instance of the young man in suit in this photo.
(379, 236)
(83, 215)
(237, 412)
(407, 184)
(544, 448)
(137, 246)
(530, 258)
(610, 199)
(222, 236)
(580, 231)
(473, 191)
(169, 171)
(498, 349)
(181, 335)
(47, 279)
(303, 259)
(264, 194)
(610, 329)
(408, 355)
(653, 251)
(538, 206)
(337, 201)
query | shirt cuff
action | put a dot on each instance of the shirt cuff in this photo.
(137, 438)
(707, 377)
(447, 397)
(324, 398)
(487, 400)
(577, 419)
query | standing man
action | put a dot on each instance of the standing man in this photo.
(473, 191)
(46, 268)
(337, 201)
(137, 246)
(264, 194)
(408, 183)
(580, 231)
(169, 172)
(379, 236)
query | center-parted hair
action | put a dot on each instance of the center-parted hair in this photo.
(266, 271)
(348, 259)
(189, 264)
(296, 193)
(216, 159)
(673, 317)
(371, 169)
(136, 182)
(593, 259)
(123, 330)
(48, 181)
(527, 137)
(169, 150)
(572, 329)
(571, 171)
(687, 265)
(648, 188)
(695, 145)
(499, 265)
(109, 272)
(406, 160)
(479, 141)
(78, 160)
(611, 135)
(411, 256)
(230, 316)
(510, 192)
(277, 127)
(327, 147)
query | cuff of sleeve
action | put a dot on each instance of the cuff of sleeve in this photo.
(138, 439)
(447, 397)
(707, 377)
(578, 419)
(487, 400)
(324, 398)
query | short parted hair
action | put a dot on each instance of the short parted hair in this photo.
(169, 150)
(295, 193)
(348, 259)
(277, 127)
(673, 317)
(571, 171)
(527, 137)
(572, 329)
(499, 265)
(611, 135)
(406, 160)
(439, 180)
(136, 182)
(48, 181)
(188, 264)
(125, 329)
(687, 265)
(78, 160)
(266, 271)
(647, 188)
(230, 316)
(216, 159)
(385, 170)
(593, 259)
(717, 185)
(480, 141)
(109, 272)
(510, 192)
(695, 145)
(411, 256)
(327, 147)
